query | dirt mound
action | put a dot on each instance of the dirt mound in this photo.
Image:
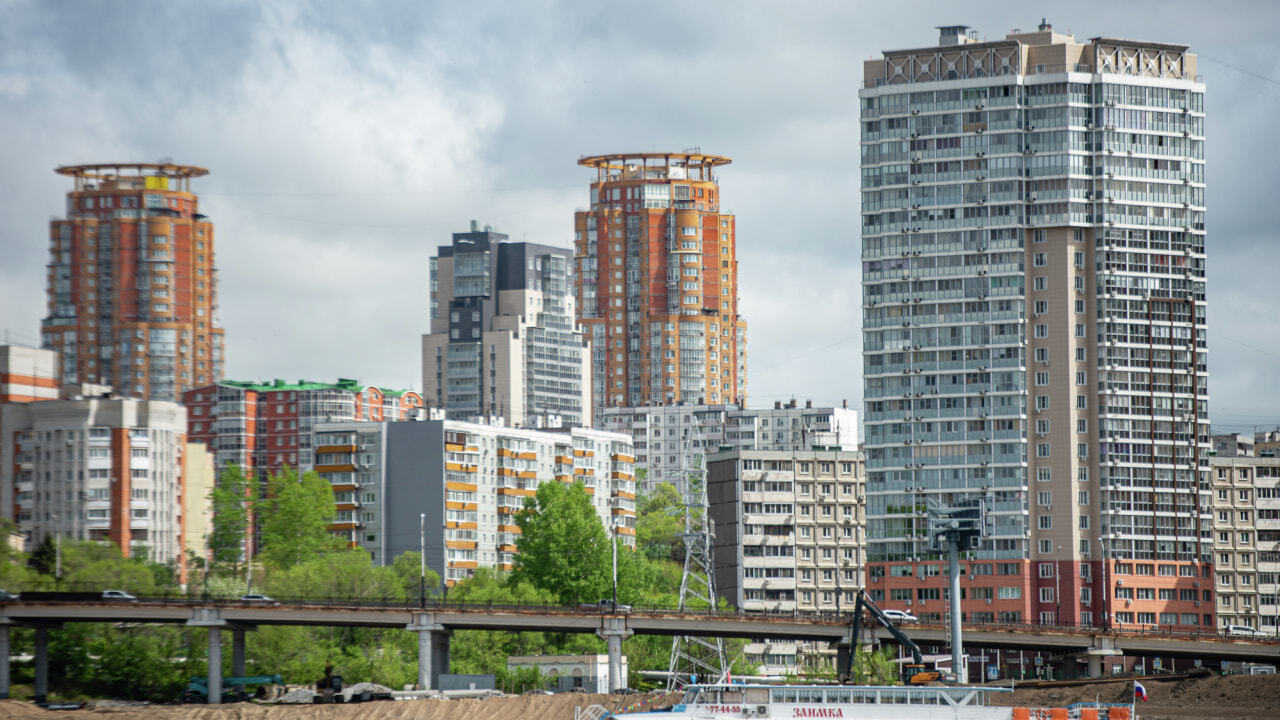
(1233, 697)
(548, 707)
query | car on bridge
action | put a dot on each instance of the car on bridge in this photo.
(257, 598)
(1245, 631)
(118, 595)
(900, 616)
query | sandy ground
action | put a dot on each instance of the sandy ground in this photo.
(1237, 697)
(1234, 697)
(534, 707)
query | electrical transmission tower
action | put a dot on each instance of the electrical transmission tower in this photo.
(690, 655)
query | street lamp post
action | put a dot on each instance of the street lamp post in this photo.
(422, 558)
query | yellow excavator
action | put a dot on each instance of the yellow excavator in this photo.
(913, 673)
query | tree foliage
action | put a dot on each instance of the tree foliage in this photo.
(230, 499)
(659, 523)
(293, 518)
(563, 546)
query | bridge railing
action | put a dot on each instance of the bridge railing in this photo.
(194, 597)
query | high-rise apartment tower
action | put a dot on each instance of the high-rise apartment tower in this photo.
(1034, 314)
(658, 282)
(503, 339)
(132, 289)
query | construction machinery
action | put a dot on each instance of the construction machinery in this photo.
(913, 673)
(233, 688)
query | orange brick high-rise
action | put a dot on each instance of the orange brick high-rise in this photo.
(132, 289)
(657, 282)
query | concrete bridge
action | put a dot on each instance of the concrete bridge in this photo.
(436, 621)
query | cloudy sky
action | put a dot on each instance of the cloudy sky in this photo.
(347, 140)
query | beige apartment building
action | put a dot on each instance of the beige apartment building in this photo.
(1246, 541)
(790, 534)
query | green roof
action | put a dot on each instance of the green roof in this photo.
(280, 385)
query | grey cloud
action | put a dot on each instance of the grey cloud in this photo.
(347, 140)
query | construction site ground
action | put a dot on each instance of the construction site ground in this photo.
(1235, 697)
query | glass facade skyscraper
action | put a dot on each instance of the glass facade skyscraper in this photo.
(1034, 325)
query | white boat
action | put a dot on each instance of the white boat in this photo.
(721, 701)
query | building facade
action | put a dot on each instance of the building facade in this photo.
(103, 469)
(657, 282)
(504, 340)
(669, 439)
(27, 374)
(132, 284)
(1246, 541)
(1034, 315)
(469, 480)
(790, 535)
(263, 427)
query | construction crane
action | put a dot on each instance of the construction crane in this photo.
(913, 673)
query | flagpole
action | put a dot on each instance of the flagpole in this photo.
(1133, 702)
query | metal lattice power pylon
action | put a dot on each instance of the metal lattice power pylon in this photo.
(690, 655)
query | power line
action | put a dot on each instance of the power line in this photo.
(1238, 69)
(1245, 344)
(807, 353)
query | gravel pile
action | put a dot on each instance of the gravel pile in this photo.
(299, 696)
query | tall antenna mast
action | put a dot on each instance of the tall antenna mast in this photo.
(695, 656)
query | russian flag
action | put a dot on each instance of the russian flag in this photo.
(1139, 692)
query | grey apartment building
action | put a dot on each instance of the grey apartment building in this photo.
(504, 340)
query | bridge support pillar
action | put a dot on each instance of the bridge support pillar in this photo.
(237, 648)
(1102, 647)
(41, 685)
(212, 619)
(433, 650)
(614, 630)
(4, 658)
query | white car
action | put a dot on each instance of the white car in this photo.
(900, 616)
(118, 595)
(256, 598)
(1244, 631)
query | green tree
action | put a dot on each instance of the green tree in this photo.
(384, 656)
(229, 500)
(408, 567)
(294, 518)
(486, 651)
(44, 558)
(874, 667)
(562, 546)
(659, 523)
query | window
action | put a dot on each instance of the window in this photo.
(1039, 283)
(1042, 450)
(1079, 307)
(1041, 307)
(1042, 330)
(1082, 497)
(1042, 402)
(1043, 474)
(1042, 355)
(1080, 354)
(1039, 260)
(1046, 594)
(1082, 377)
(1080, 330)
(1046, 547)
(1045, 522)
